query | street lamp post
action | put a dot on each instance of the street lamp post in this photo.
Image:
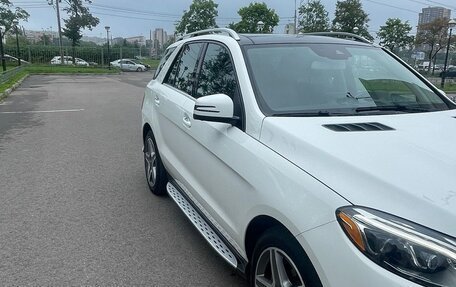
(2, 53)
(260, 26)
(109, 53)
(451, 25)
(16, 23)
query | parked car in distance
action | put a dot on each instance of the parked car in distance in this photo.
(128, 65)
(450, 73)
(68, 60)
(302, 165)
(141, 63)
(13, 60)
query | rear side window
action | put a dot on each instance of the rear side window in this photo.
(182, 74)
(163, 60)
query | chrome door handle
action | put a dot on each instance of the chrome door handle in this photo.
(186, 121)
(157, 101)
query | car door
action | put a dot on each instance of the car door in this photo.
(169, 99)
(215, 155)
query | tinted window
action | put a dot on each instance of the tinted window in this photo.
(163, 60)
(182, 73)
(217, 73)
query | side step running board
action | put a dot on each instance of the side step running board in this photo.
(203, 227)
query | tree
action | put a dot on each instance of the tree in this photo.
(201, 15)
(45, 40)
(11, 41)
(251, 15)
(8, 15)
(80, 18)
(394, 34)
(434, 35)
(313, 17)
(350, 14)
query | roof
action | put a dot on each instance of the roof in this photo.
(254, 39)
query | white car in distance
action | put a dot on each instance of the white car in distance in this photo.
(68, 60)
(302, 167)
(128, 65)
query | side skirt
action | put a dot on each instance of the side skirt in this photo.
(207, 230)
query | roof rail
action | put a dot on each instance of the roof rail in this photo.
(228, 31)
(341, 35)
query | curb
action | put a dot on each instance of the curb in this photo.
(7, 92)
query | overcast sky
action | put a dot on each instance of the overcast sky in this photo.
(138, 17)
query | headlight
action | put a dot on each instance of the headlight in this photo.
(412, 251)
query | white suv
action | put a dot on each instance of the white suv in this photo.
(306, 160)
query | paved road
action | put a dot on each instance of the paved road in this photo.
(74, 205)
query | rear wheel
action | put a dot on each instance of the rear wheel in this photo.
(279, 260)
(155, 171)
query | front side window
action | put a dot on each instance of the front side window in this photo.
(331, 79)
(182, 75)
(217, 74)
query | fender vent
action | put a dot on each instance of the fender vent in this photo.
(358, 127)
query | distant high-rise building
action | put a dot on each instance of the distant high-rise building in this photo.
(160, 36)
(430, 14)
(140, 40)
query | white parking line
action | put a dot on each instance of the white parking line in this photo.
(43, 112)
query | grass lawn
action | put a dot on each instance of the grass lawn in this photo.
(450, 88)
(8, 84)
(153, 63)
(57, 69)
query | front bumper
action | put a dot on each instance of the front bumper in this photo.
(340, 264)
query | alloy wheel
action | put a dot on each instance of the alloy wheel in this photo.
(150, 156)
(276, 269)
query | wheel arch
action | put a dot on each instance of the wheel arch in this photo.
(145, 130)
(256, 227)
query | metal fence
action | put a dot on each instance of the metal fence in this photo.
(95, 55)
(9, 74)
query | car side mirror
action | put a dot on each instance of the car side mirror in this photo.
(215, 108)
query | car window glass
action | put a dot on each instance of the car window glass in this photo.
(217, 73)
(163, 60)
(183, 71)
(334, 78)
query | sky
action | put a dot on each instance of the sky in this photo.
(138, 17)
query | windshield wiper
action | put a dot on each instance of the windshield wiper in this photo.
(399, 108)
(309, 114)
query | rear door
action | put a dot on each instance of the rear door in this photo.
(169, 99)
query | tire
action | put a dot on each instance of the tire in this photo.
(139, 70)
(295, 268)
(155, 171)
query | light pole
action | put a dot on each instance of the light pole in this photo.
(109, 53)
(2, 53)
(451, 25)
(260, 26)
(16, 23)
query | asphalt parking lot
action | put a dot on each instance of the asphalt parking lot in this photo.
(74, 204)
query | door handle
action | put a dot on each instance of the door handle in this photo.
(186, 121)
(157, 100)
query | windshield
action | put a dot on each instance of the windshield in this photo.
(330, 79)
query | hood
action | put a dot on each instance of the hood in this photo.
(408, 171)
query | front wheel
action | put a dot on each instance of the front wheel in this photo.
(155, 171)
(279, 260)
(139, 70)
